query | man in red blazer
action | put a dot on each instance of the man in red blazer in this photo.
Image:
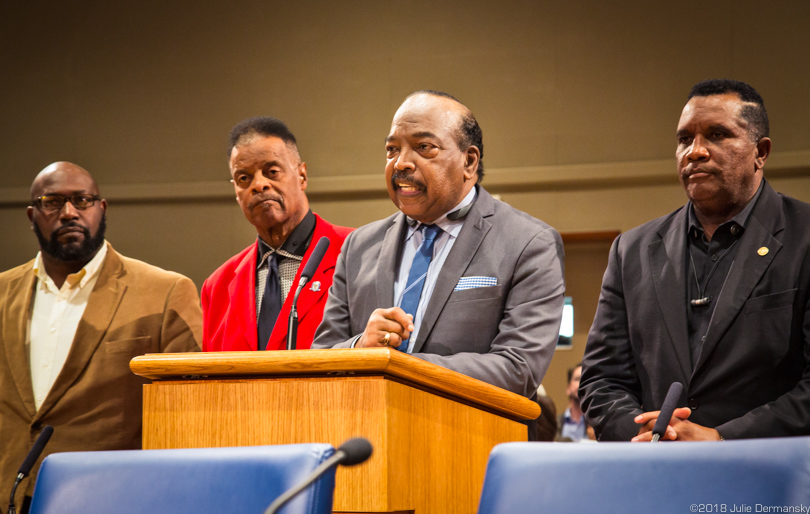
(246, 302)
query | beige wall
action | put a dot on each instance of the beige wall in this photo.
(578, 102)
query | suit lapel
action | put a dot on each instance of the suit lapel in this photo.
(747, 268)
(98, 314)
(469, 239)
(242, 300)
(387, 268)
(668, 263)
(15, 314)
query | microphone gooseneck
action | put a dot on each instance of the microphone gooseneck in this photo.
(28, 463)
(352, 452)
(310, 267)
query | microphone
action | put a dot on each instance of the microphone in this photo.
(28, 463)
(673, 395)
(355, 451)
(699, 302)
(352, 452)
(312, 264)
(314, 261)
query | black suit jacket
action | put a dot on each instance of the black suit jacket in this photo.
(752, 378)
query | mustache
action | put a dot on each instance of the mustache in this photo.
(407, 178)
(691, 170)
(263, 198)
(70, 225)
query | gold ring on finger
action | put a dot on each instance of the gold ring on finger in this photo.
(387, 339)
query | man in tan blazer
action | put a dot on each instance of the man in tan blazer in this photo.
(71, 320)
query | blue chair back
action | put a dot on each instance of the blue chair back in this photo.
(244, 480)
(664, 478)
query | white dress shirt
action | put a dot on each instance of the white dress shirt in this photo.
(441, 248)
(55, 316)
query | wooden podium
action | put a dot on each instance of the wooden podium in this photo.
(432, 428)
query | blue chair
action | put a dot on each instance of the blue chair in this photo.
(245, 479)
(663, 478)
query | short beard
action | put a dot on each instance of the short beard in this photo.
(73, 253)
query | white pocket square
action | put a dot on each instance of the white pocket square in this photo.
(474, 282)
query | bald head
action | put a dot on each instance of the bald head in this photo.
(59, 172)
(450, 102)
(468, 132)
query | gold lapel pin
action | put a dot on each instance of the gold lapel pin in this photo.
(763, 251)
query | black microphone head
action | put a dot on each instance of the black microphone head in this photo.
(355, 451)
(670, 402)
(315, 258)
(36, 450)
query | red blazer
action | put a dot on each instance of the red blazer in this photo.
(229, 298)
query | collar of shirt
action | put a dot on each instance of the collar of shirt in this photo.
(568, 419)
(735, 226)
(452, 227)
(296, 244)
(80, 278)
(576, 431)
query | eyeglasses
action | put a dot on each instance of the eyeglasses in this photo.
(53, 203)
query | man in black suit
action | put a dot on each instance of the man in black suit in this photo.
(714, 295)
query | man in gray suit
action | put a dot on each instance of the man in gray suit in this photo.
(715, 295)
(456, 277)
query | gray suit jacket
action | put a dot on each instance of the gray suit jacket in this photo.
(503, 334)
(752, 378)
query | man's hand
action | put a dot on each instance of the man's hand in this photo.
(679, 428)
(647, 422)
(393, 321)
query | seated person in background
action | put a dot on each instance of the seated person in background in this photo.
(243, 299)
(572, 425)
(715, 295)
(70, 322)
(455, 277)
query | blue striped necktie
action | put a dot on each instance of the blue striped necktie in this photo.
(418, 274)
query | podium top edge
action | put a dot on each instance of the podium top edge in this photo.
(362, 361)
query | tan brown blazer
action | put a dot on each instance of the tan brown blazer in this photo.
(96, 401)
